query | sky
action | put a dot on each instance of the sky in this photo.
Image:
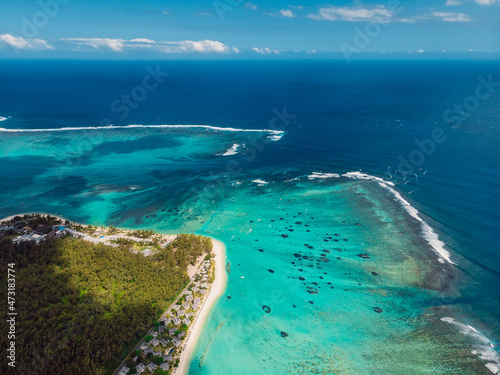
(236, 29)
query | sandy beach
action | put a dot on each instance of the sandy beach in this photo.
(39, 213)
(217, 289)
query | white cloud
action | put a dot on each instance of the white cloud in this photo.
(166, 12)
(266, 51)
(203, 46)
(452, 17)
(118, 45)
(25, 44)
(487, 2)
(287, 13)
(115, 45)
(419, 51)
(143, 40)
(378, 13)
(251, 6)
(407, 20)
(453, 2)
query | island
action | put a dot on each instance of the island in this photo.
(103, 300)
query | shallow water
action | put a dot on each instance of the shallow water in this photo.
(184, 180)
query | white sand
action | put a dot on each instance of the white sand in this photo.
(32, 213)
(217, 289)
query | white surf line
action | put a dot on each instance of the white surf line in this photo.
(217, 128)
(3, 118)
(316, 175)
(260, 182)
(428, 233)
(233, 150)
(483, 347)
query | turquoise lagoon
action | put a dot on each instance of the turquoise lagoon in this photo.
(343, 267)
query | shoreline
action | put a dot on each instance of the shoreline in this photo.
(216, 290)
(41, 214)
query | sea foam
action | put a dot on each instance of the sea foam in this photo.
(316, 175)
(273, 134)
(428, 233)
(484, 348)
(3, 118)
(260, 182)
(233, 150)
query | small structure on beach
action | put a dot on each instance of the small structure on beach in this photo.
(140, 368)
(176, 341)
(164, 366)
(152, 367)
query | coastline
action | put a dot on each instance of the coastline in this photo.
(216, 290)
(41, 214)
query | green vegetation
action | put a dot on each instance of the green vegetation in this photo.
(187, 247)
(83, 306)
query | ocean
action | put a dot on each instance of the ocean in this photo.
(358, 201)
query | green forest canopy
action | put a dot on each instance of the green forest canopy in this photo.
(81, 306)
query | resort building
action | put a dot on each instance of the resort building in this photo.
(164, 366)
(152, 367)
(140, 368)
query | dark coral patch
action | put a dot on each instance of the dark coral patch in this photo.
(364, 256)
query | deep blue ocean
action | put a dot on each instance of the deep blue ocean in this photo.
(327, 117)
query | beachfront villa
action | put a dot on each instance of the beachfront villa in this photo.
(176, 341)
(140, 368)
(170, 333)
